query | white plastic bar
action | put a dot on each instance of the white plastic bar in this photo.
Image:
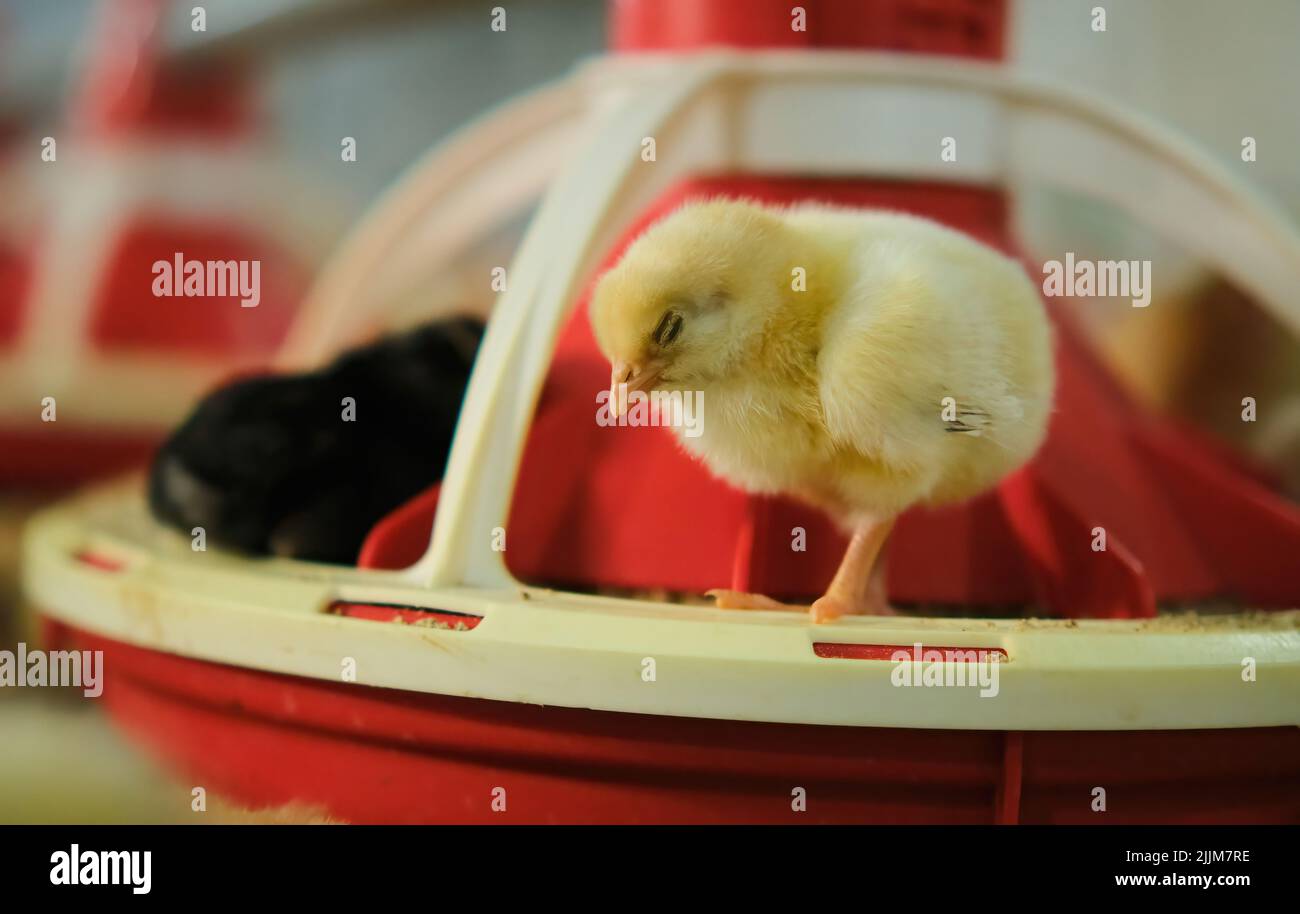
(560, 245)
(814, 114)
(457, 193)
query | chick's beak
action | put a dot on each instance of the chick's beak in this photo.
(625, 378)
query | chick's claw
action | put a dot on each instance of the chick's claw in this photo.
(738, 599)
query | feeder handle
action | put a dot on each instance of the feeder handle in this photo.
(582, 205)
(450, 199)
(726, 103)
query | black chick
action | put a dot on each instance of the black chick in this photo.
(268, 464)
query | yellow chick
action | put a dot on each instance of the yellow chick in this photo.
(862, 361)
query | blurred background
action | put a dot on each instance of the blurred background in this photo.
(228, 140)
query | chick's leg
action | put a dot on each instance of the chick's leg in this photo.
(858, 585)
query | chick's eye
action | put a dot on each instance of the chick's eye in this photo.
(669, 326)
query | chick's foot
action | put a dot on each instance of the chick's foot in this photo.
(858, 587)
(831, 606)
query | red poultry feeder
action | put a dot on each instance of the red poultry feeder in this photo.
(158, 160)
(446, 680)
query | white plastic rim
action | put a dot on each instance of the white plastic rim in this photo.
(568, 650)
(545, 647)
